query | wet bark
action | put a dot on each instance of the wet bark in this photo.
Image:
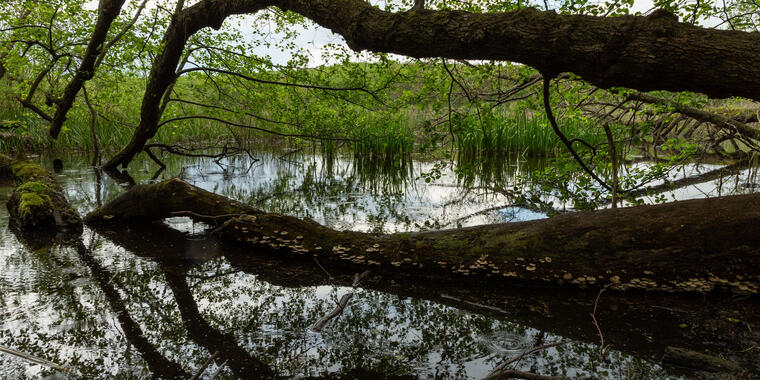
(38, 201)
(655, 52)
(690, 246)
(108, 10)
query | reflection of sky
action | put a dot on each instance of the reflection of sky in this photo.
(51, 307)
(350, 199)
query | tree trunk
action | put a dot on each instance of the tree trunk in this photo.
(108, 10)
(689, 246)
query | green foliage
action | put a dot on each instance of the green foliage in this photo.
(387, 108)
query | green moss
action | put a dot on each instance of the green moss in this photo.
(33, 197)
(33, 187)
(26, 170)
(31, 202)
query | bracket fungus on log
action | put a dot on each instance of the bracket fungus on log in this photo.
(689, 246)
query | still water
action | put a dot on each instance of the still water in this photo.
(165, 299)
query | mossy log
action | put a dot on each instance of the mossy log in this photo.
(692, 246)
(37, 201)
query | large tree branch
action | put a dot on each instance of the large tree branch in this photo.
(670, 247)
(655, 52)
(108, 10)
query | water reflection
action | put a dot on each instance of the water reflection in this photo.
(165, 299)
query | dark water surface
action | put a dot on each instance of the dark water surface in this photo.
(160, 300)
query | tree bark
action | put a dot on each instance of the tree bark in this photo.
(655, 52)
(108, 10)
(690, 246)
(184, 24)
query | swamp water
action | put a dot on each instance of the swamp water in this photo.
(161, 300)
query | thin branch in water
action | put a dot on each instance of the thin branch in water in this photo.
(37, 360)
(205, 365)
(320, 324)
(340, 305)
(499, 371)
(596, 323)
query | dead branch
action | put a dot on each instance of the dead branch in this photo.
(500, 369)
(37, 360)
(341, 305)
(596, 323)
(205, 365)
(718, 120)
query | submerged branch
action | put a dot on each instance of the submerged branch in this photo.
(37, 360)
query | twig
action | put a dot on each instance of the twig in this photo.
(37, 360)
(205, 365)
(336, 312)
(323, 269)
(613, 159)
(596, 323)
(498, 371)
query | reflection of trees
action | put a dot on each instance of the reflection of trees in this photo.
(217, 307)
(157, 363)
(243, 365)
(264, 305)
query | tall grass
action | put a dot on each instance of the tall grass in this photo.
(524, 133)
(387, 139)
(32, 133)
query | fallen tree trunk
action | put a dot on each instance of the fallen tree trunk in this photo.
(564, 312)
(37, 201)
(697, 245)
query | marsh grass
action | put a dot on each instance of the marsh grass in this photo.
(522, 133)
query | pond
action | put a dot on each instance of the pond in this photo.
(169, 300)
